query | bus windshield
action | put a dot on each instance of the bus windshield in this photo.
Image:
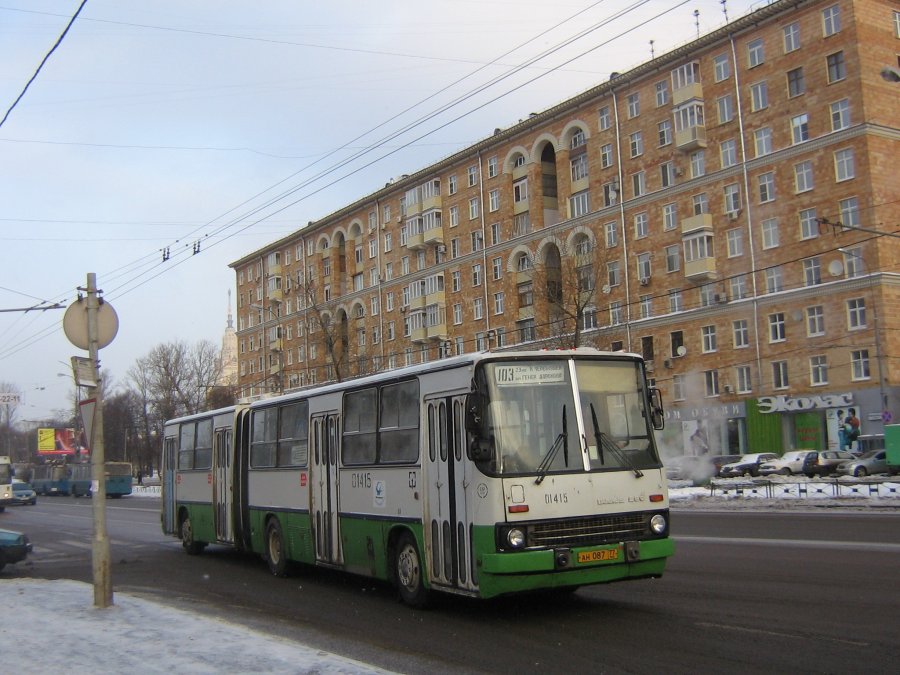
(543, 416)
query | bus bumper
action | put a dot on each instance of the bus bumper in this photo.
(501, 573)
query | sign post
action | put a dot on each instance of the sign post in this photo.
(92, 324)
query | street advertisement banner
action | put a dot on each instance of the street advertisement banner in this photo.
(60, 442)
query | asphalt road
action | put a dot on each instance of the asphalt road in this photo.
(745, 592)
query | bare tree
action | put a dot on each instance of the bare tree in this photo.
(333, 328)
(564, 279)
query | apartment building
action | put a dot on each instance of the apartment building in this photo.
(729, 210)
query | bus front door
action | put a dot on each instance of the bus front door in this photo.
(222, 488)
(324, 489)
(448, 524)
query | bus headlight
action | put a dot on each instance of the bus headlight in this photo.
(515, 538)
(658, 524)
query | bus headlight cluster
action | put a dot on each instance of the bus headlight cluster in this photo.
(658, 524)
(515, 537)
(511, 537)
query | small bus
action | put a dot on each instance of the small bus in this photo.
(478, 475)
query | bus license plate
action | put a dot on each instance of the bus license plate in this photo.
(598, 556)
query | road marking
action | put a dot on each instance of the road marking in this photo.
(770, 633)
(870, 546)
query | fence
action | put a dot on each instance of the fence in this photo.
(801, 489)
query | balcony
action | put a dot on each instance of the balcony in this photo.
(702, 221)
(686, 93)
(276, 295)
(419, 334)
(702, 269)
(274, 269)
(433, 235)
(691, 138)
(432, 202)
(526, 312)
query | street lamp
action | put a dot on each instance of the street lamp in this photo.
(885, 413)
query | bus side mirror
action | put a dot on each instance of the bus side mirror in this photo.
(474, 414)
(657, 417)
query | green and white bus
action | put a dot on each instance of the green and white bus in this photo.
(480, 475)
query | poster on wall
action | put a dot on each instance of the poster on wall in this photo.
(844, 427)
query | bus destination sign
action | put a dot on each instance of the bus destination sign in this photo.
(538, 373)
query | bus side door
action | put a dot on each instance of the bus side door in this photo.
(324, 488)
(170, 459)
(448, 524)
(222, 488)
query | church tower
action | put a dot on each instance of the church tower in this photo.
(229, 351)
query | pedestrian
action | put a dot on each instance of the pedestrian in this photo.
(851, 424)
(842, 431)
(140, 477)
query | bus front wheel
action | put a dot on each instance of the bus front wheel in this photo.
(408, 572)
(275, 557)
(187, 538)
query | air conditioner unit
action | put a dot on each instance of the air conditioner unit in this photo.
(727, 388)
(441, 248)
(721, 298)
(649, 365)
(733, 215)
(667, 363)
(679, 172)
(645, 281)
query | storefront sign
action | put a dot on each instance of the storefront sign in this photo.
(771, 404)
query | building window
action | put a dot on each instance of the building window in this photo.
(670, 216)
(473, 208)
(579, 166)
(734, 239)
(837, 68)
(818, 370)
(766, 187)
(604, 118)
(452, 187)
(521, 224)
(526, 330)
(831, 20)
(809, 224)
(662, 93)
(812, 272)
(711, 380)
(800, 128)
(667, 174)
(638, 184)
(454, 248)
(520, 191)
(728, 153)
(676, 303)
(737, 285)
(636, 141)
(472, 173)
(815, 321)
(497, 267)
(859, 364)
(526, 294)
(762, 140)
(641, 225)
(495, 234)
(777, 331)
(698, 164)
(796, 82)
(634, 105)
(840, 114)
(498, 303)
(708, 338)
(492, 167)
(774, 279)
(476, 275)
(612, 272)
(494, 200)
(849, 211)
(803, 176)
(611, 234)
(732, 194)
(457, 314)
(664, 130)
(722, 67)
(780, 375)
(606, 156)
(856, 313)
(844, 166)
(579, 204)
(740, 332)
(791, 37)
(755, 53)
(700, 203)
(770, 238)
(455, 281)
(725, 108)
(673, 258)
(643, 267)
(478, 308)
(759, 96)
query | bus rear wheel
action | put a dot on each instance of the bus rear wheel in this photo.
(275, 557)
(187, 538)
(408, 572)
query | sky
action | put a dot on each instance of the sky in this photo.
(81, 631)
(160, 142)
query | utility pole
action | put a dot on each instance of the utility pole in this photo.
(91, 324)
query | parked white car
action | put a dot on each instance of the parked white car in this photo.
(789, 463)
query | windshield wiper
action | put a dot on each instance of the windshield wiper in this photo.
(562, 441)
(605, 443)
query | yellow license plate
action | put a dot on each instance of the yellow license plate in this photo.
(598, 556)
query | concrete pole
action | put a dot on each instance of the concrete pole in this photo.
(103, 595)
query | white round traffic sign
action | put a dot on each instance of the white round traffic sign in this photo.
(75, 324)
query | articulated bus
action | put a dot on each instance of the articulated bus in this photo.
(480, 475)
(76, 479)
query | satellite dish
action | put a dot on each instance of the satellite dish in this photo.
(606, 288)
(835, 268)
(681, 351)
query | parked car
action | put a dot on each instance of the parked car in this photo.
(827, 462)
(795, 461)
(14, 547)
(874, 461)
(718, 461)
(747, 465)
(23, 493)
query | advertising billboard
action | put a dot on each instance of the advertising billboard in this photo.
(60, 442)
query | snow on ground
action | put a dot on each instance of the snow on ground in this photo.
(68, 634)
(163, 639)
